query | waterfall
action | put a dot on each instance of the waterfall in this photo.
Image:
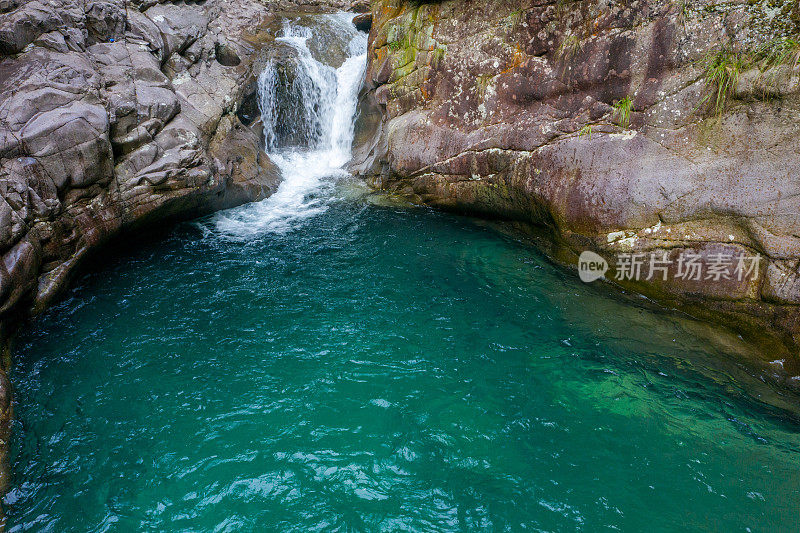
(307, 109)
(306, 95)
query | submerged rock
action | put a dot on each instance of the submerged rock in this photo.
(619, 127)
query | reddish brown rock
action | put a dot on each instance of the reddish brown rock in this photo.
(510, 109)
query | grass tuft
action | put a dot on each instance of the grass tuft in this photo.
(722, 71)
(585, 131)
(570, 46)
(777, 52)
(623, 109)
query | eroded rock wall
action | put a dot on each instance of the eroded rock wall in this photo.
(114, 114)
(516, 110)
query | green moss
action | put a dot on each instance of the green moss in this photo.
(411, 42)
(437, 56)
(395, 37)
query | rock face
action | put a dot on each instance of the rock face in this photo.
(112, 115)
(624, 128)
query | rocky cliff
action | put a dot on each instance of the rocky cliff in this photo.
(627, 128)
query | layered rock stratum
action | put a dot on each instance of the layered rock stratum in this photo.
(625, 128)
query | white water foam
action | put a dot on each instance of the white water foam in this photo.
(325, 124)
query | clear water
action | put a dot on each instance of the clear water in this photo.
(317, 362)
(379, 369)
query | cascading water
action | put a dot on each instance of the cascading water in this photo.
(307, 108)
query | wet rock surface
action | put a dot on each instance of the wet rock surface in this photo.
(599, 122)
